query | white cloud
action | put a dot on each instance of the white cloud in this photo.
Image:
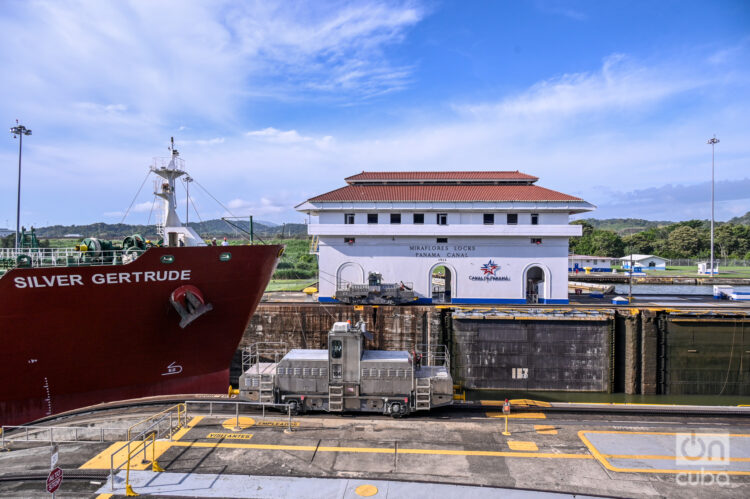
(273, 135)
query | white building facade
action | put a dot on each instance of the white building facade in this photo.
(593, 263)
(644, 262)
(454, 237)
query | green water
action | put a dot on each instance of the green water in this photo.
(591, 397)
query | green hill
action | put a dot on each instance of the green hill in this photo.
(743, 220)
(207, 229)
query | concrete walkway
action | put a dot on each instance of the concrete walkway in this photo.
(267, 487)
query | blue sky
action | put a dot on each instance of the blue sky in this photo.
(273, 102)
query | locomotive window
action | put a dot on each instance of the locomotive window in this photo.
(336, 349)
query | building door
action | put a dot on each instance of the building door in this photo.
(441, 282)
(534, 284)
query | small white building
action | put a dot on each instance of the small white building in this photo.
(594, 263)
(454, 237)
(644, 262)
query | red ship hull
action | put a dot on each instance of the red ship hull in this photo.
(76, 336)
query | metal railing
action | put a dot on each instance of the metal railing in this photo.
(179, 410)
(195, 404)
(62, 257)
(140, 442)
(434, 355)
(254, 354)
(59, 434)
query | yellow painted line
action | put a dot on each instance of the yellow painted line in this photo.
(183, 431)
(102, 460)
(529, 402)
(104, 496)
(623, 432)
(604, 462)
(517, 415)
(545, 429)
(522, 445)
(382, 450)
(646, 456)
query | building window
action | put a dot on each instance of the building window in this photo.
(534, 219)
(419, 218)
(349, 218)
(536, 240)
(442, 219)
(512, 218)
(349, 240)
(395, 218)
(372, 218)
(442, 240)
(489, 218)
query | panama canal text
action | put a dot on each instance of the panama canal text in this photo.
(99, 279)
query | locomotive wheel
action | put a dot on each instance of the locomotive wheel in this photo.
(395, 410)
(294, 407)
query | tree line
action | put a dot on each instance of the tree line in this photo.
(690, 239)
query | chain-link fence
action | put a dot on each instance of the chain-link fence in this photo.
(722, 262)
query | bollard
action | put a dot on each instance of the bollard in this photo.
(506, 412)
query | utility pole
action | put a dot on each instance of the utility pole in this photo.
(712, 142)
(19, 130)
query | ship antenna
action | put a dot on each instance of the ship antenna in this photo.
(175, 153)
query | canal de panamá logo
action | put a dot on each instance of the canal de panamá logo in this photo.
(490, 267)
(489, 273)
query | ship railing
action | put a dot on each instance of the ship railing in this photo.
(253, 355)
(61, 257)
(434, 355)
(59, 434)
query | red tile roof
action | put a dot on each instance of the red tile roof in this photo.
(441, 176)
(467, 193)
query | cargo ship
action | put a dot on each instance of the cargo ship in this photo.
(110, 322)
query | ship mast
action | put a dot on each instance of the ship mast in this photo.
(175, 234)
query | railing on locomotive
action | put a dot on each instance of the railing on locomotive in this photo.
(434, 355)
(253, 354)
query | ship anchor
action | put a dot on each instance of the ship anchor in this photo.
(188, 301)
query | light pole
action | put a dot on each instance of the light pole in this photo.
(19, 130)
(712, 141)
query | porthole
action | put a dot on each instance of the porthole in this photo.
(225, 257)
(167, 259)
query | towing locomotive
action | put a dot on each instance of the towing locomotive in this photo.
(347, 377)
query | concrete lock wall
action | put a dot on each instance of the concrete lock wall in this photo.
(706, 357)
(532, 355)
(631, 351)
(307, 326)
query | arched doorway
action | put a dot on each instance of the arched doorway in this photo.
(534, 284)
(441, 284)
(349, 273)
